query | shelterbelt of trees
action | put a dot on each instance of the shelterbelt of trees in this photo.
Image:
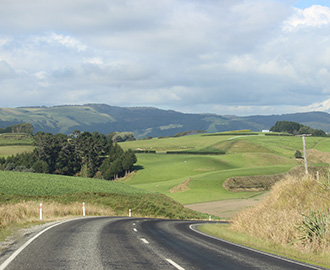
(296, 129)
(81, 153)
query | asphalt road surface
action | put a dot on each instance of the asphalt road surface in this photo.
(135, 243)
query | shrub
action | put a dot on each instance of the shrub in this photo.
(314, 226)
(298, 154)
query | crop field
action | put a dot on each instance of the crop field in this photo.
(204, 175)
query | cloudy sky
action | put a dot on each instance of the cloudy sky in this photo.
(240, 57)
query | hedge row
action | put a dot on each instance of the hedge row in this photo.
(195, 153)
(278, 134)
(145, 151)
(232, 134)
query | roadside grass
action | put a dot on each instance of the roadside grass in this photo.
(224, 231)
(293, 221)
(25, 212)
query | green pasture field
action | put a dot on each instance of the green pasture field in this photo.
(11, 144)
(192, 142)
(15, 139)
(160, 173)
(14, 149)
(323, 145)
(245, 156)
(46, 184)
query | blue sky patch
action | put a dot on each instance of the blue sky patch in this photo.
(308, 3)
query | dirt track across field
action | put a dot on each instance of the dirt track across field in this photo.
(225, 209)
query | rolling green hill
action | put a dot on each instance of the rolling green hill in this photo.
(144, 121)
(199, 178)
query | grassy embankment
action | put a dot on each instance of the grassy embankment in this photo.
(293, 221)
(245, 156)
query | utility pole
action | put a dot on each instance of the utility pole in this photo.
(305, 152)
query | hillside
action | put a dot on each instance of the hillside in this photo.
(199, 178)
(144, 121)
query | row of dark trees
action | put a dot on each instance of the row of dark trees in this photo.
(18, 128)
(296, 128)
(82, 154)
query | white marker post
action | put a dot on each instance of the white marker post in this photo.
(84, 212)
(40, 211)
(210, 218)
(129, 213)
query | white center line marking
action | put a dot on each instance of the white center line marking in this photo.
(134, 229)
(144, 241)
(175, 264)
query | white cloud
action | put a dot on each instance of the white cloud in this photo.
(40, 75)
(64, 40)
(320, 106)
(314, 16)
(94, 60)
(4, 41)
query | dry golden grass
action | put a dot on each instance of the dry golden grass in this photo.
(276, 217)
(29, 212)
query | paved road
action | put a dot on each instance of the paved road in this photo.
(133, 243)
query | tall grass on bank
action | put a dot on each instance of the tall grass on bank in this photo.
(22, 210)
(296, 213)
(28, 212)
(292, 221)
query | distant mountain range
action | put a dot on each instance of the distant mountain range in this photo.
(145, 121)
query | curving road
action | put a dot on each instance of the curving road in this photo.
(135, 243)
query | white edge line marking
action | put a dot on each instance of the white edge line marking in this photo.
(175, 264)
(251, 249)
(142, 239)
(18, 251)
